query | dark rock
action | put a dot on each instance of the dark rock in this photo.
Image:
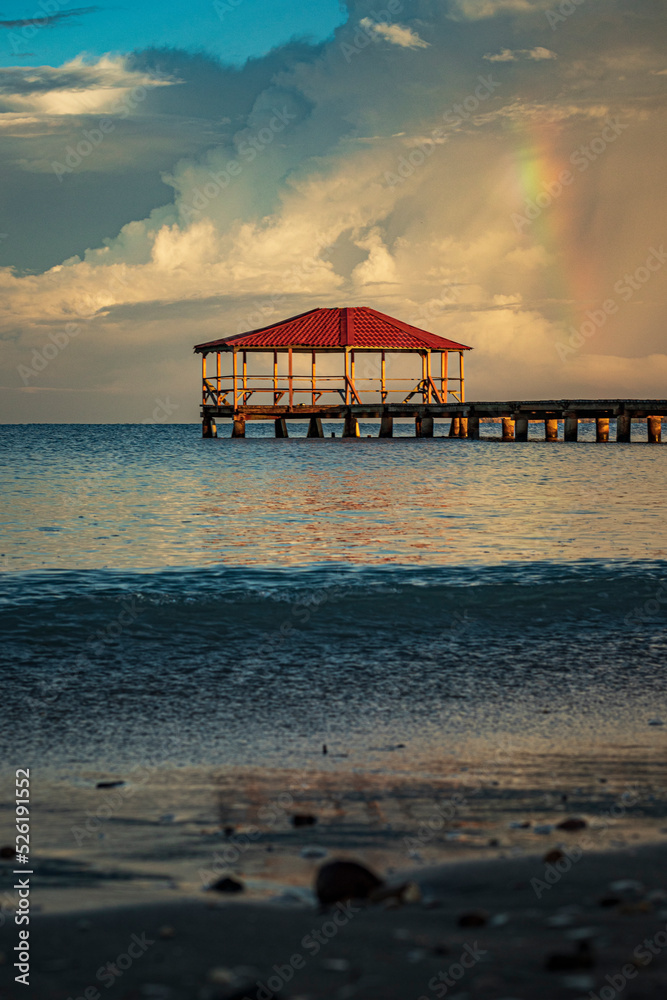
(9, 851)
(609, 901)
(228, 831)
(571, 824)
(303, 819)
(109, 784)
(552, 856)
(340, 880)
(226, 885)
(582, 958)
(474, 918)
(324, 748)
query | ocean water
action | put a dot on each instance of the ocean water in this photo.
(169, 599)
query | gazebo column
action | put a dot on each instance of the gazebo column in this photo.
(290, 377)
(383, 382)
(275, 378)
(315, 428)
(345, 376)
(461, 376)
(314, 376)
(425, 393)
(245, 376)
(218, 369)
(235, 378)
(203, 379)
(444, 375)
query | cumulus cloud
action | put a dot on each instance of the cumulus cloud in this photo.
(477, 10)
(397, 34)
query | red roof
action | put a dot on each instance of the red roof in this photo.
(331, 329)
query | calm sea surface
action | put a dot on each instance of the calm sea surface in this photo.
(221, 601)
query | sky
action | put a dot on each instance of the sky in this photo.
(489, 170)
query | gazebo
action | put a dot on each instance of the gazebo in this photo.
(348, 332)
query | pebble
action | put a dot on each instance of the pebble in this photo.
(523, 824)
(109, 784)
(571, 824)
(226, 885)
(543, 828)
(313, 852)
(626, 885)
(474, 918)
(8, 851)
(499, 920)
(166, 932)
(656, 722)
(340, 880)
(551, 856)
(303, 819)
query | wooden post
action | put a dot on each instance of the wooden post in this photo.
(508, 429)
(351, 426)
(234, 378)
(463, 427)
(275, 378)
(352, 385)
(383, 380)
(281, 428)
(238, 427)
(245, 375)
(455, 427)
(602, 430)
(520, 427)
(444, 375)
(315, 428)
(208, 428)
(424, 425)
(313, 372)
(571, 430)
(203, 379)
(473, 428)
(624, 428)
(347, 385)
(654, 429)
(550, 429)
(424, 392)
(290, 378)
(428, 376)
(463, 392)
(386, 425)
(219, 377)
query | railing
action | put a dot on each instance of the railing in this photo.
(225, 390)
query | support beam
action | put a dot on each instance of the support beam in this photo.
(351, 426)
(208, 428)
(473, 428)
(624, 428)
(281, 428)
(455, 427)
(424, 426)
(235, 378)
(550, 429)
(315, 428)
(444, 375)
(571, 431)
(238, 427)
(602, 430)
(654, 429)
(290, 377)
(386, 426)
(520, 427)
(508, 429)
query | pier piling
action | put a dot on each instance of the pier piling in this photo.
(624, 428)
(520, 428)
(281, 428)
(508, 429)
(550, 429)
(315, 428)
(455, 427)
(386, 425)
(238, 427)
(602, 430)
(351, 426)
(654, 428)
(571, 428)
(424, 425)
(473, 428)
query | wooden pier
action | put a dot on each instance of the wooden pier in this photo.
(515, 417)
(437, 393)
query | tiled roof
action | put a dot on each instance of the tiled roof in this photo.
(328, 329)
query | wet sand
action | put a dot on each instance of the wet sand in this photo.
(608, 909)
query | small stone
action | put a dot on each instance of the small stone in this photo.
(303, 819)
(8, 851)
(474, 918)
(552, 856)
(340, 880)
(336, 965)
(582, 958)
(221, 976)
(166, 932)
(312, 852)
(543, 828)
(411, 893)
(627, 885)
(226, 885)
(109, 784)
(609, 901)
(656, 722)
(228, 831)
(572, 824)
(499, 920)
(523, 824)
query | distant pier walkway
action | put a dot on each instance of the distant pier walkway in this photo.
(515, 416)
